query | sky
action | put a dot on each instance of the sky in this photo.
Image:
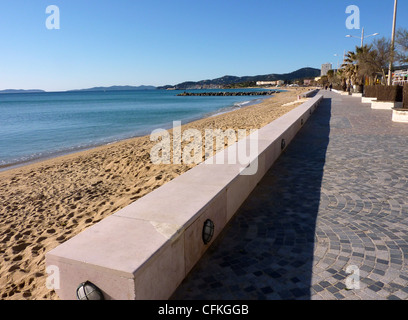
(162, 42)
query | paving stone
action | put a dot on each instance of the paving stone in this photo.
(337, 197)
(401, 295)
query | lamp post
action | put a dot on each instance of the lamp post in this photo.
(392, 43)
(362, 36)
(338, 61)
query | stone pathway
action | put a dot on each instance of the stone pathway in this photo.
(328, 221)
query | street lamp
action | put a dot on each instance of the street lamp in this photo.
(338, 61)
(362, 36)
(392, 43)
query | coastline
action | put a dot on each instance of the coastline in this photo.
(60, 153)
(47, 202)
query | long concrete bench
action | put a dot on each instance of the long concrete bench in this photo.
(145, 250)
(309, 93)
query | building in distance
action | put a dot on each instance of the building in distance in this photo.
(270, 83)
(325, 68)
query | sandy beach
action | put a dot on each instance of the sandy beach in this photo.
(46, 203)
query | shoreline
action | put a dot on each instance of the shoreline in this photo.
(57, 154)
(48, 202)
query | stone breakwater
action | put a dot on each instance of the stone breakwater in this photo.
(252, 93)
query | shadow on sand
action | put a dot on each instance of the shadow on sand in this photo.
(266, 251)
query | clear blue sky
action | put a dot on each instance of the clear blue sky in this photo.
(159, 42)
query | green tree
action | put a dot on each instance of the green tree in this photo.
(323, 81)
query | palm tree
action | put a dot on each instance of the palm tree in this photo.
(364, 56)
(367, 61)
(350, 69)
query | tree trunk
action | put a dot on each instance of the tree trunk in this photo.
(384, 77)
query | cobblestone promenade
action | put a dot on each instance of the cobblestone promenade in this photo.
(328, 221)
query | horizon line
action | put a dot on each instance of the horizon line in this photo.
(143, 85)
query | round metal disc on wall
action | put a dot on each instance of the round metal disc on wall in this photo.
(208, 231)
(88, 291)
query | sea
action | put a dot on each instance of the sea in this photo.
(41, 125)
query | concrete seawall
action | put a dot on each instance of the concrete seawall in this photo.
(145, 250)
(224, 94)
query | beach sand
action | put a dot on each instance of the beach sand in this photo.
(46, 203)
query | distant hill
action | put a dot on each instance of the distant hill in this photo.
(216, 83)
(228, 79)
(21, 91)
(117, 88)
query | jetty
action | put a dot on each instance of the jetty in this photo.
(218, 94)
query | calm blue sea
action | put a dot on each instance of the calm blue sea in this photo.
(35, 126)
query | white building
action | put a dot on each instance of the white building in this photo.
(266, 83)
(326, 67)
(400, 77)
(270, 83)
